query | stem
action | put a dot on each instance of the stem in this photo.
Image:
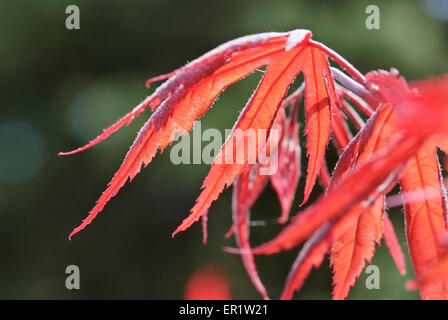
(355, 73)
(357, 120)
(360, 103)
(348, 82)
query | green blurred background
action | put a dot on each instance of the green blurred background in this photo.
(60, 87)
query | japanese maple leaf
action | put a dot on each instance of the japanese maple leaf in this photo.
(190, 91)
(340, 207)
(397, 144)
(425, 219)
(287, 175)
(354, 247)
(348, 255)
(251, 182)
(246, 190)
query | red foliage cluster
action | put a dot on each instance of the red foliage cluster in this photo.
(396, 145)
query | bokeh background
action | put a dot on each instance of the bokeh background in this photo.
(60, 87)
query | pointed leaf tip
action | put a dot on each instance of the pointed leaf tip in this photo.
(319, 95)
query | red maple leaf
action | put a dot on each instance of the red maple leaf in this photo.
(396, 145)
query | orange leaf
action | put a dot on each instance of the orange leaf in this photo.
(425, 219)
(392, 243)
(245, 55)
(257, 116)
(367, 180)
(198, 85)
(287, 175)
(246, 190)
(317, 246)
(434, 273)
(315, 249)
(357, 245)
(311, 255)
(341, 133)
(353, 248)
(319, 94)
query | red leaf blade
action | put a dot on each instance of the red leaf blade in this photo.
(425, 219)
(279, 74)
(318, 82)
(246, 54)
(394, 246)
(287, 175)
